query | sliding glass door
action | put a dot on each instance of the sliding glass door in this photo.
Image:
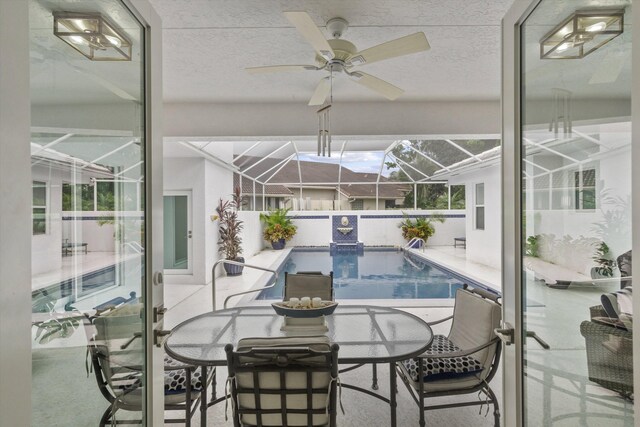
(91, 187)
(568, 215)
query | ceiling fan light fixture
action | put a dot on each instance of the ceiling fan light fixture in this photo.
(581, 33)
(93, 35)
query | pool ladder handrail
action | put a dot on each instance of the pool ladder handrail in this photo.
(413, 241)
(227, 261)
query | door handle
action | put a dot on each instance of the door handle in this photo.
(160, 336)
(543, 343)
(159, 312)
(505, 334)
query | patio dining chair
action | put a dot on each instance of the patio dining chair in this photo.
(117, 360)
(463, 362)
(308, 284)
(283, 382)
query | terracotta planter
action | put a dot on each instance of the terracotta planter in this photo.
(279, 244)
(232, 269)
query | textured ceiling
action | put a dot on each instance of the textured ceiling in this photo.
(208, 43)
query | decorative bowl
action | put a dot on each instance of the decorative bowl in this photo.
(283, 310)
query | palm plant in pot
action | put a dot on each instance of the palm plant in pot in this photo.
(229, 240)
(420, 227)
(605, 262)
(278, 227)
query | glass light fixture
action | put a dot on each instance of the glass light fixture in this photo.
(582, 33)
(92, 35)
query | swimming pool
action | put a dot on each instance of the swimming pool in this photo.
(374, 274)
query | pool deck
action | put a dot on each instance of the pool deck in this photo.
(186, 301)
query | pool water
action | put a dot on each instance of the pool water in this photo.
(374, 274)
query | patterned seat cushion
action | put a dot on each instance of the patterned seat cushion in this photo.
(438, 369)
(175, 380)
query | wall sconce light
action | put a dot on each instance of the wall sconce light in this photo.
(92, 35)
(582, 33)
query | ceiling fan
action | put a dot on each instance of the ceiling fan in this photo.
(341, 56)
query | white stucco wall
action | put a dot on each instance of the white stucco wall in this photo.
(207, 183)
(483, 246)
(252, 241)
(45, 248)
(375, 229)
(188, 174)
(612, 176)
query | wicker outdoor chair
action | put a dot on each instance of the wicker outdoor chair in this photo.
(609, 352)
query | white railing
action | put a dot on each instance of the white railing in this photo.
(413, 241)
(226, 261)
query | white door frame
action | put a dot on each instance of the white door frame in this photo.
(154, 204)
(188, 194)
(513, 409)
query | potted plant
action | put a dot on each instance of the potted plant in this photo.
(278, 227)
(420, 227)
(229, 240)
(606, 264)
(532, 246)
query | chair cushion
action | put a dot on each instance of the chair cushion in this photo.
(619, 305)
(442, 368)
(271, 379)
(175, 380)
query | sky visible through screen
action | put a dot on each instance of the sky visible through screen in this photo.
(357, 161)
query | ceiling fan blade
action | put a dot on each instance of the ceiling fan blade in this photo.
(403, 46)
(385, 89)
(321, 92)
(305, 26)
(280, 68)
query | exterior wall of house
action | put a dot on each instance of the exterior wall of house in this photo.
(188, 174)
(46, 254)
(370, 204)
(483, 246)
(207, 183)
(609, 222)
(218, 184)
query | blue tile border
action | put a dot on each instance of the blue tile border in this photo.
(98, 218)
(310, 217)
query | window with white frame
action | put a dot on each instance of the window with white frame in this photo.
(479, 206)
(39, 207)
(585, 189)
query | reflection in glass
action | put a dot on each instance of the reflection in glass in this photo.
(87, 163)
(576, 222)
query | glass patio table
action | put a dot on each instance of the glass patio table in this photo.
(366, 334)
